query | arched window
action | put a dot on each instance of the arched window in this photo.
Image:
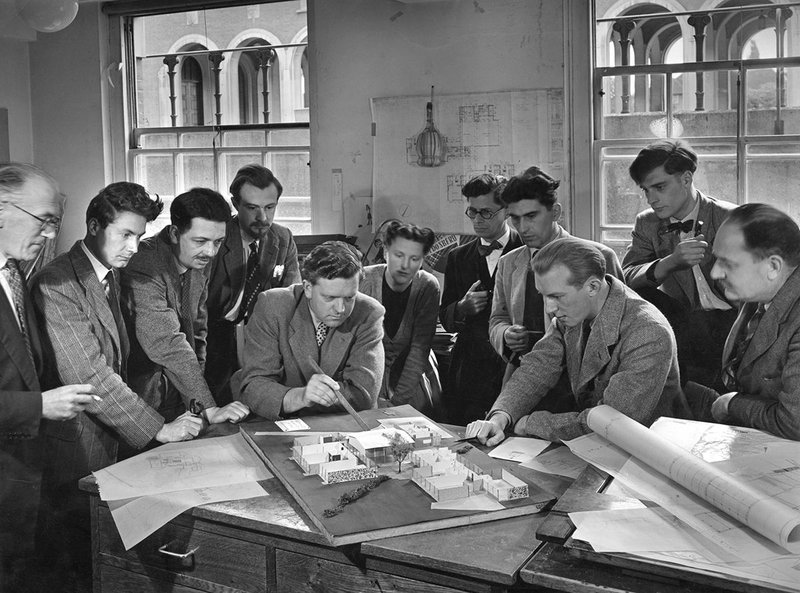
(191, 92)
(304, 77)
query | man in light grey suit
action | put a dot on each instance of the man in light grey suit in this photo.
(322, 324)
(669, 259)
(518, 318)
(615, 348)
(76, 297)
(758, 259)
(164, 292)
(257, 254)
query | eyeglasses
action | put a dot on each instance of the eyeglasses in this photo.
(47, 223)
(484, 213)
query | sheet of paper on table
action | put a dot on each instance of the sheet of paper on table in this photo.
(291, 424)
(560, 462)
(519, 449)
(202, 463)
(152, 488)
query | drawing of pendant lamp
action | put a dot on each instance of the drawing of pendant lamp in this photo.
(431, 143)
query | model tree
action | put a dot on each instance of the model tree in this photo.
(400, 449)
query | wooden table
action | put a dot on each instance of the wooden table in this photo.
(269, 544)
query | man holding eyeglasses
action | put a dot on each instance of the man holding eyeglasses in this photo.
(476, 371)
(518, 319)
(30, 213)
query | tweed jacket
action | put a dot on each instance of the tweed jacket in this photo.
(769, 374)
(20, 416)
(408, 351)
(228, 268)
(83, 342)
(508, 303)
(280, 339)
(630, 363)
(162, 358)
(649, 244)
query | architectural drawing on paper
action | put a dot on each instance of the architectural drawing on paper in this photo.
(175, 460)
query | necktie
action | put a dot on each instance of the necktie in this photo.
(687, 226)
(740, 347)
(112, 295)
(14, 277)
(186, 316)
(485, 250)
(252, 284)
(322, 331)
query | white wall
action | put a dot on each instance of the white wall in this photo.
(15, 95)
(377, 48)
(66, 69)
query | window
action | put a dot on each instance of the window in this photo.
(212, 90)
(686, 74)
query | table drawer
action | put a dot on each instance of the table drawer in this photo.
(216, 560)
(297, 573)
(125, 581)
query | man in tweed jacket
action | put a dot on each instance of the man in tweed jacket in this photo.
(85, 338)
(615, 348)
(164, 292)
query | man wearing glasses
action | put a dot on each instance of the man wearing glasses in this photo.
(518, 318)
(30, 213)
(476, 371)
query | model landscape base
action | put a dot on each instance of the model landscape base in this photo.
(317, 470)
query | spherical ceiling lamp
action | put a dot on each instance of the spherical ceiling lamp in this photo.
(47, 16)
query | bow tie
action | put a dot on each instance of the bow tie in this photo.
(687, 226)
(485, 250)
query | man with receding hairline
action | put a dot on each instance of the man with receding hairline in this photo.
(31, 207)
(758, 255)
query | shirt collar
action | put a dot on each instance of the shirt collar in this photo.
(503, 239)
(100, 269)
(692, 215)
(246, 240)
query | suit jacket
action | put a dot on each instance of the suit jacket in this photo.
(227, 281)
(82, 340)
(650, 245)
(408, 351)
(20, 417)
(630, 363)
(508, 303)
(769, 373)
(280, 338)
(228, 268)
(164, 366)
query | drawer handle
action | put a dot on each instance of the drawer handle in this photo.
(186, 559)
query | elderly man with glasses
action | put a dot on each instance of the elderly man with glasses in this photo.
(476, 371)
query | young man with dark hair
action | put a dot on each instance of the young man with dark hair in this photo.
(518, 319)
(757, 258)
(257, 254)
(31, 207)
(77, 301)
(410, 296)
(476, 371)
(164, 292)
(670, 257)
(614, 348)
(324, 323)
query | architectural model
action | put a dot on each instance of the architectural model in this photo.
(443, 474)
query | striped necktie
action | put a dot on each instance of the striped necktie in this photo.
(740, 347)
(14, 277)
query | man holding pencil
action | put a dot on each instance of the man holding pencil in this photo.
(309, 344)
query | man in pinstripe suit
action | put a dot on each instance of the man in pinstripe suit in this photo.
(84, 335)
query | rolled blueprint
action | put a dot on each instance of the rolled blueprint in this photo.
(756, 509)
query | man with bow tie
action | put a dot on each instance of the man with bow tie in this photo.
(257, 254)
(310, 344)
(518, 319)
(670, 257)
